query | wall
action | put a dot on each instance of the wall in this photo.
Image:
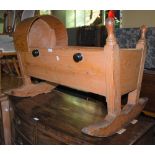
(136, 18)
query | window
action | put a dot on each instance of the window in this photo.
(80, 18)
(45, 12)
(70, 18)
(76, 18)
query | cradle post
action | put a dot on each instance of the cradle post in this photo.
(134, 95)
(112, 80)
(112, 70)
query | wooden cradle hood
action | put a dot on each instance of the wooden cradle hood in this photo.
(41, 44)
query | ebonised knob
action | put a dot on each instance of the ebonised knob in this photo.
(35, 52)
(77, 57)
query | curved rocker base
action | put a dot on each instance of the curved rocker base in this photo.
(31, 90)
(111, 124)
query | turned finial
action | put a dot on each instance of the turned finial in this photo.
(110, 23)
(142, 41)
(143, 32)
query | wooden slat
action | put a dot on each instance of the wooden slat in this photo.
(8, 53)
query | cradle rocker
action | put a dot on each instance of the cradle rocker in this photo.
(43, 52)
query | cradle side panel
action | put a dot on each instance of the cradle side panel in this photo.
(59, 67)
(130, 64)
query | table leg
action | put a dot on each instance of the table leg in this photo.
(5, 109)
(0, 77)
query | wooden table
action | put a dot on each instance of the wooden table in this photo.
(59, 116)
(8, 53)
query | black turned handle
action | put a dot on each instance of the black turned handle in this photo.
(35, 52)
(77, 57)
